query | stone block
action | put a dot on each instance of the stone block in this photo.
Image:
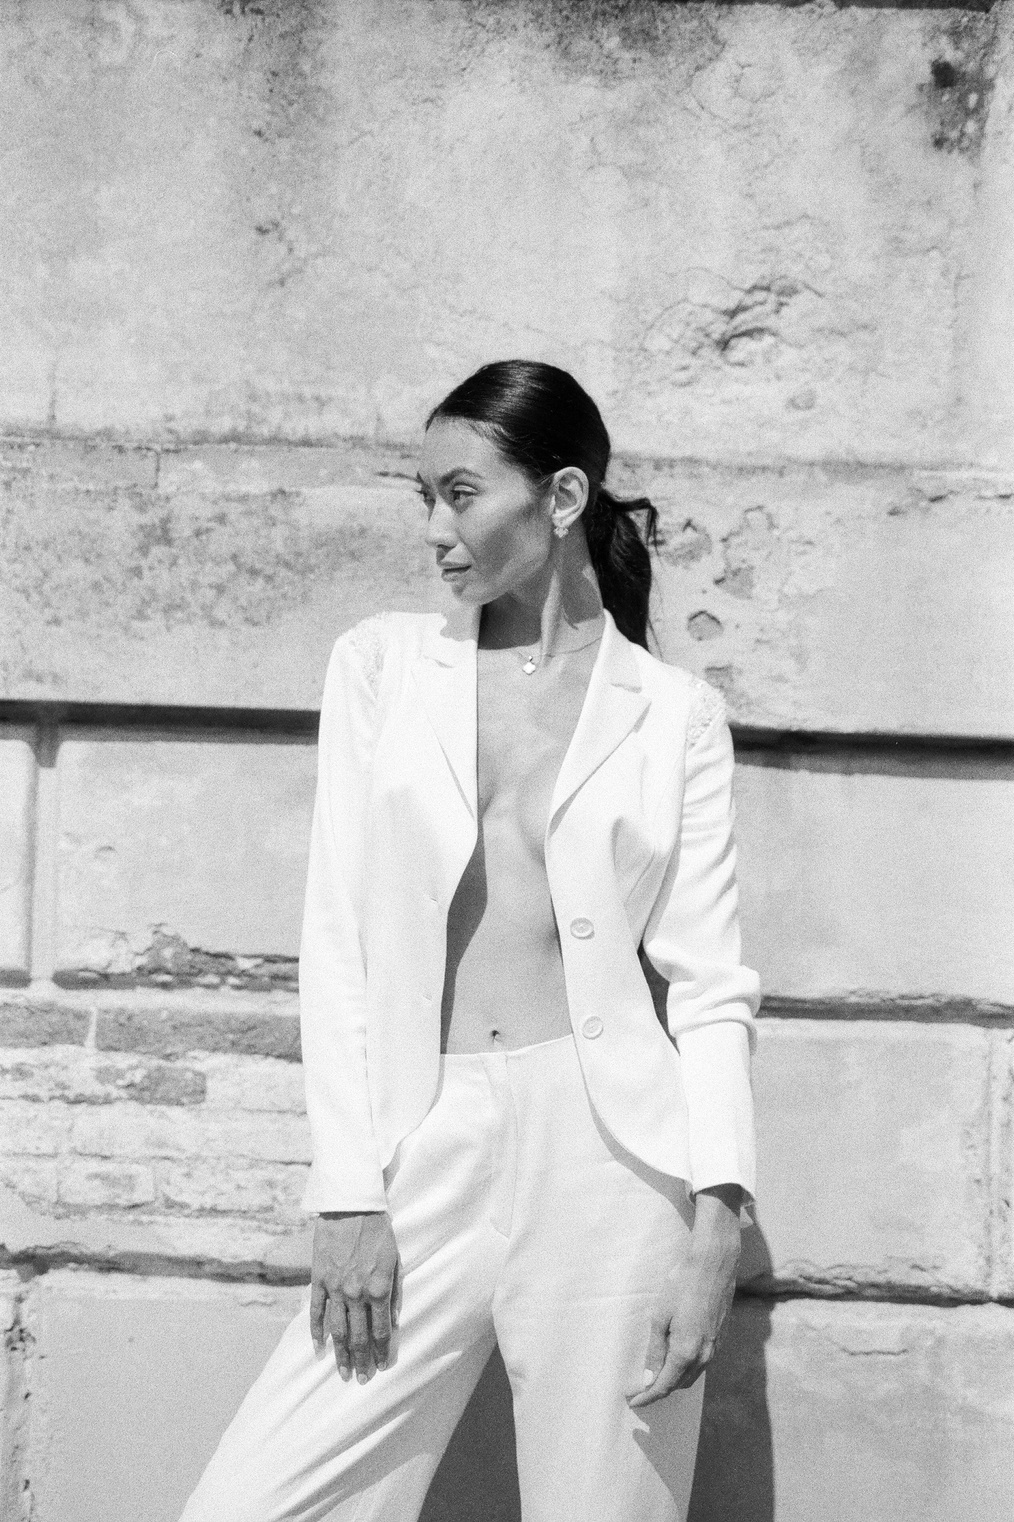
(168, 844)
(833, 597)
(91, 1184)
(17, 792)
(783, 287)
(246, 1190)
(33, 1130)
(139, 1131)
(229, 1021)
(137, 1379)
(36, 1227)
(874, 1146)
(858, 1411)
(1003, 1166)
(13, 1401)
(28, 1020)
(253, 1083)
(877, 875)
(30, 1181)
(75, 1076)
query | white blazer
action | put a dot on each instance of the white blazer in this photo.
(639, 853)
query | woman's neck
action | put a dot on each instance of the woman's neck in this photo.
(558, 611)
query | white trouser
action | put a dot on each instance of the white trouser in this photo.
(519, 1221)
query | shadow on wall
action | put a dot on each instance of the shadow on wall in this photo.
(734, 1479)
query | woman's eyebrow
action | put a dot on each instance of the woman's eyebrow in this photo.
(449, 475)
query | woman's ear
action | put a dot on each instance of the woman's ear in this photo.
(568, 496)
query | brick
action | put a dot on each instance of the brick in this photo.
(106, 1186)
(175, 1030)
(236, 1191)
(252, 1083)
(73, 1075)
(17, 792)
(853, 1411)
(874, 1158)
(34, 1180)
(890, 876)
(206, 839)
(32, 1129)
(131, 1130)
(28, 1021)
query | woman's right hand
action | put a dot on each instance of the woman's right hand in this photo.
(355, 1289)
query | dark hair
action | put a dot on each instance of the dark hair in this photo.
(542, 420)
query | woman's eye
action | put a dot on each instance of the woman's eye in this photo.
(460, 495)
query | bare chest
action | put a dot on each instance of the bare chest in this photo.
(525, 725)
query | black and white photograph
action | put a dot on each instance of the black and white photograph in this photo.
(506, 761)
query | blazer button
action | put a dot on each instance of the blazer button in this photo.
(582, 929)
(591, 1027)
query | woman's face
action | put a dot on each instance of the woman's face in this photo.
(489, 526)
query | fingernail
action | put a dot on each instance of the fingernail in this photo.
(362, 1379)
(649, 1378)
(346, 1373)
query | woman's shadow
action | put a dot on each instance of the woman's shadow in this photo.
(734, 1478)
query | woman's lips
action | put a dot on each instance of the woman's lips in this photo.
(450, 571)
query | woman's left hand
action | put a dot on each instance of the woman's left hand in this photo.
(696, 1300)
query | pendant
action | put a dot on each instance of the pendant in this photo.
(530, 666)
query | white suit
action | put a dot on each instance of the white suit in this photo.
(538, 1196)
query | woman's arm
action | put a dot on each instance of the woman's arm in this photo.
(346, 1172)
(693, 940)
(355, 1269)
(695, 1299)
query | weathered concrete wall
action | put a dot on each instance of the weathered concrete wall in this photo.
(247, 245)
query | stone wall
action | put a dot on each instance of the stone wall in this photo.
(247, 245)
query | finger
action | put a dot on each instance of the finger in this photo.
(339, 1328)
(396, 1295)
(359, 1339)
(380, 1328)
(653, 1361)
(318, 1303)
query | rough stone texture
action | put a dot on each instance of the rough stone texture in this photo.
(162, 1363)
(887, 1130)
(835, 597)
(13, 1401)
(889, 873)
(874, 1147)
(178, 844)
(829, 1409)
(768, 233)
(856, 1412)
(17, 789)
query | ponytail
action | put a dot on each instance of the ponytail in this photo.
(620, 552)
(542, 421)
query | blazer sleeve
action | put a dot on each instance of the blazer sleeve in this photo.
(692, 938)
(346, 1172)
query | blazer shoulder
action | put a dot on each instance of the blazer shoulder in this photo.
(367, 643)
(701, 704)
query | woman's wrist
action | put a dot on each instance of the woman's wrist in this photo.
(716, 1216)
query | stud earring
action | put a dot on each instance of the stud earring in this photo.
(560, 530)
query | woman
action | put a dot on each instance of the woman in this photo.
(515, 804)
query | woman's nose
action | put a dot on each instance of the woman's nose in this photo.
(440, 528)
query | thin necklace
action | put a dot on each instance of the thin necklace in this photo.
(531, 664)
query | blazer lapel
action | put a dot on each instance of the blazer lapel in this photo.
(613, 704)
(445, 677)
